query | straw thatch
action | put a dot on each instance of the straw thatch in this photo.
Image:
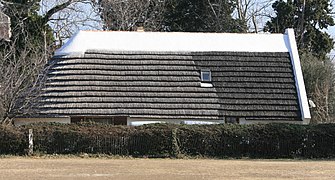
(257, 86)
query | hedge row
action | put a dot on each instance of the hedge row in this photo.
(12, 141)
(170, 140)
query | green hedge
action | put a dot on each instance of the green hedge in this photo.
(170, 140)
(12, 141)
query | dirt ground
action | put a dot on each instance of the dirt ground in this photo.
(92, 168)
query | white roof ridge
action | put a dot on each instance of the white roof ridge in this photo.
(173, 42)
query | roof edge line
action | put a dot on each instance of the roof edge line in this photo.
(299, 80)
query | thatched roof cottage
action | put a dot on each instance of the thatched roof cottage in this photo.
(144, 77)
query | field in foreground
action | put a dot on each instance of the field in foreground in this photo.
(90, 168)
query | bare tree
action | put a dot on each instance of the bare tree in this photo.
(19, 75)
(169, 15)
(125, 15)
(24, 57)
(220, 17)
(320, 85)
(5, 32)
(70, 16)
(254, 13)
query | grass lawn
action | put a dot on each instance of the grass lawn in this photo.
(104, 168)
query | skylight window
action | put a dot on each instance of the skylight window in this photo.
(206, 75)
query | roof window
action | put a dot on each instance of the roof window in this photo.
(206, 75)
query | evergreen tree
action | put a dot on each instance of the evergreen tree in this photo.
(203, 16)
(308, 18)
(172, 15)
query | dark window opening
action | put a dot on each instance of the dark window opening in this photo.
(115, 120)
(232, 120)
(206, 75)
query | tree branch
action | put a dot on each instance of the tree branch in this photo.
(56, 9)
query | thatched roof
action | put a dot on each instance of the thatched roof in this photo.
(257, 86)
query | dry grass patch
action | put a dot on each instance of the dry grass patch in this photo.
(104, 168)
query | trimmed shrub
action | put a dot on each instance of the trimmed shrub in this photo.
(171, 140)
(12, 141)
